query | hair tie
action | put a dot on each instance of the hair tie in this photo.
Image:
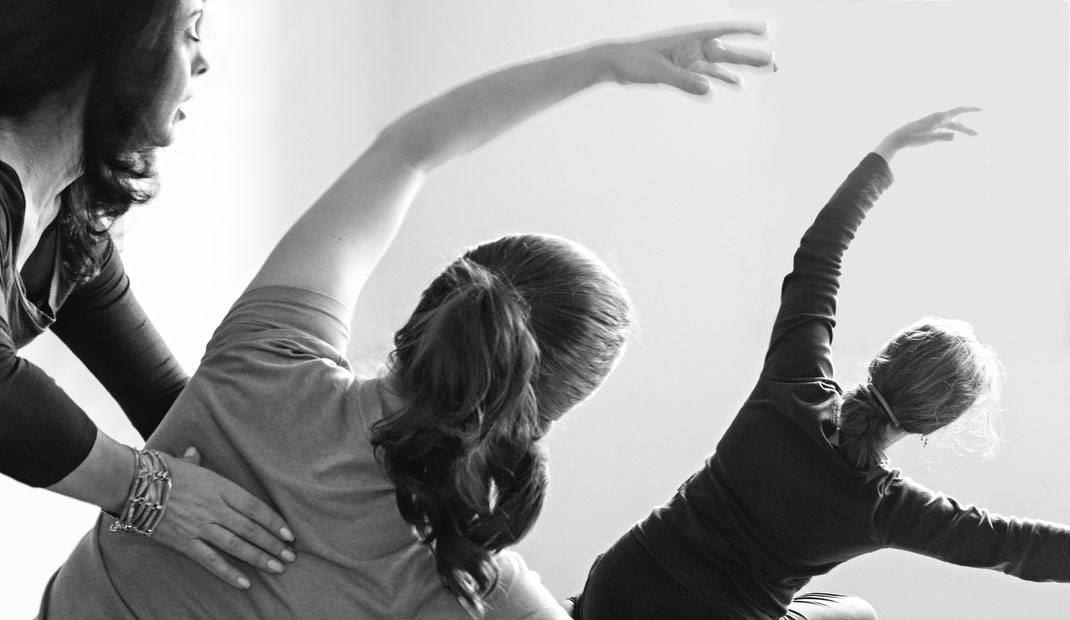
(884, 404)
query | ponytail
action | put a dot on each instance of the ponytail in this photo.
(462, 452)
(863, 428)
(504, 342)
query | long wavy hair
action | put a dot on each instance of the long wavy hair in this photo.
(932, 374)
(120, 48)
(505, 341)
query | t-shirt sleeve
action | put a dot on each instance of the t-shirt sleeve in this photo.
(44, 435)
(801, 344)
(520, 594)
(283, 310)
(913, 518)
(103, 324)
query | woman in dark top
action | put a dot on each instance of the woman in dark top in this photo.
(88, 90)
(798, 483)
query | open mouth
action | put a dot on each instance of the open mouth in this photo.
(181, 114)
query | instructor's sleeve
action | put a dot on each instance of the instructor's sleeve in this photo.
(103, 324)
(43, 435)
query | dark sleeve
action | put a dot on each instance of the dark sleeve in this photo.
(43, 435)
(104, 325)
(916, 519)
(801, 345)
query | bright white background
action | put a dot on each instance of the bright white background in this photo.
(698, 205)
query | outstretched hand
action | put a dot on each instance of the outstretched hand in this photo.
(936, 127)
(684, 58)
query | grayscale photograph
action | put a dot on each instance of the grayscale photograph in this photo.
(569, 309)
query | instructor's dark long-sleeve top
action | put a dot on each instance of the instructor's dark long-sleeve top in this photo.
(44, 435)
(777, 504)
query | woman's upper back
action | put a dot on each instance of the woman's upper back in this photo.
(275, 408)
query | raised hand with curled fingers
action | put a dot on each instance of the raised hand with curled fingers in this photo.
(936, 127)
(684, 58)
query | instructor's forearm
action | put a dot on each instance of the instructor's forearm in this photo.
(477, 111)
(103, 479)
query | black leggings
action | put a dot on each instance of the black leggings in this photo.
(627, 583)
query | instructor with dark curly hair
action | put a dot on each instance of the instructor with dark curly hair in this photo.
(88, 91)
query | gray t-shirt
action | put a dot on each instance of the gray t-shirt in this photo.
(275, 408)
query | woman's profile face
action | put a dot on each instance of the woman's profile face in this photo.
(185, 62)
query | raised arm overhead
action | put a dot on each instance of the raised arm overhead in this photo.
(335, 245)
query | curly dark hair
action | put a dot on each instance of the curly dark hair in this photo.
(120, 48)
(503, 343)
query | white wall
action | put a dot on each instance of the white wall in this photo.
(701, 205)
(698, 204)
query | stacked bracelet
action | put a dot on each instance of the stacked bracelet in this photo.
(148, 496)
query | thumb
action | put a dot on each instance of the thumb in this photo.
(688, 82)
(192, 456)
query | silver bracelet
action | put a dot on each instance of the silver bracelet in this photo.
(149, 492)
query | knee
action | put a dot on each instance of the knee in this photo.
(825, 606)
(858, 609)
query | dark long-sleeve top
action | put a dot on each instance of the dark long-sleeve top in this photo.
(776, 504)
(44, 435)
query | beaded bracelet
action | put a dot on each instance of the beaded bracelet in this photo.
(147, 500)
